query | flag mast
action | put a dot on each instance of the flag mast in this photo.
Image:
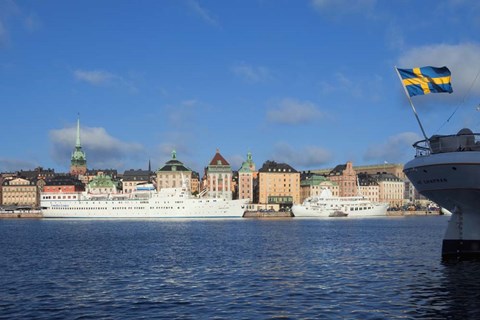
(413, 107)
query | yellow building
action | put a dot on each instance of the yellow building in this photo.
(20, 192)
(278, 183)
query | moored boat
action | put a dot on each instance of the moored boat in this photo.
(144, 202)
(326, 205)
(446, 169)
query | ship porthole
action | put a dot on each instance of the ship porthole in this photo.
(454, 168)
(424, 170)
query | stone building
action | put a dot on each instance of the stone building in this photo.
(20, 192)
(246, 177)
(312, 184)
(63, 183)
(131, 178)
(391, 189)
(346, 178)
(279, 184)
(174, 173)
(217, 181)
(368, 187)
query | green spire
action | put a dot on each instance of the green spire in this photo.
(78, 156)
(78, 144)
(174, 155)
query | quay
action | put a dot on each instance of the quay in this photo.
(19, 214)
(267, 214)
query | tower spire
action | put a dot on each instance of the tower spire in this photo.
(78, 144)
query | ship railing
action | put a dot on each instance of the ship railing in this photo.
(447, 143)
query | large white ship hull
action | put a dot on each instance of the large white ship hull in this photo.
(452, 180)
(154, 206)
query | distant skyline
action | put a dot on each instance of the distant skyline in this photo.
(310, 83)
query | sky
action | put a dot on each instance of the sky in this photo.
(310, 83)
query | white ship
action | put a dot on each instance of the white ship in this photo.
(144, 202)
(327, 205)
(446, 169)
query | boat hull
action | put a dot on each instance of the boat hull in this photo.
(139, 209)
(452, 180)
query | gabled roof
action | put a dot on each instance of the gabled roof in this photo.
(219, 160)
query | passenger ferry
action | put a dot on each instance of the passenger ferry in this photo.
(327, 205)
(144, 202)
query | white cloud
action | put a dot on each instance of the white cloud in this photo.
(104, 78)
(290, 111)
(306, 157)
(395, 149)
(202, 12)
(463, 61)
(251, 73)
(102, 150)
(361, 88)
(94, 77)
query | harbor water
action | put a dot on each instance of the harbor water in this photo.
(377, 268)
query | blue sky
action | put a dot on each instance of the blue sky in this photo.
(310, 83)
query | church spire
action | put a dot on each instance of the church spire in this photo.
(78, 162)
(78, 144)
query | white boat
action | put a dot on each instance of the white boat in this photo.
(144, 202)
(446, 169)
(327, 205)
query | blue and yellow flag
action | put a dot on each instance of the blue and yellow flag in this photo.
(425, 80)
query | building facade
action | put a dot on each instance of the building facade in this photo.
(346, 178)
(174, 173)
(391, 189)
(20, 192)
(217, 180)
(312, 184)
(246, 177)
(368, 187)
(278, 183)
(63, 183)
(102, 184)
(131, 178)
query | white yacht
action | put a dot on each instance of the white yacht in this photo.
(446, 169)
(327, 205)
(144, 202)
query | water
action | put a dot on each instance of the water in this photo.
(242, 268)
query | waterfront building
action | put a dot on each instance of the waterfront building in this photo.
(246, 177)
(279, 184)
(37, 173)
(131, 178)
(368, 187)
(92, 173)
(102, 184)
(393, 168)
(346, 178)
(312, 184)
(217, 180)
(174, 172)
(63, 183)
(391, 189)
(78, 162)
(20, 192)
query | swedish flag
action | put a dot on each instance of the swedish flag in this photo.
(425, 80)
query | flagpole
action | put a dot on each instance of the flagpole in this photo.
(413, 107)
